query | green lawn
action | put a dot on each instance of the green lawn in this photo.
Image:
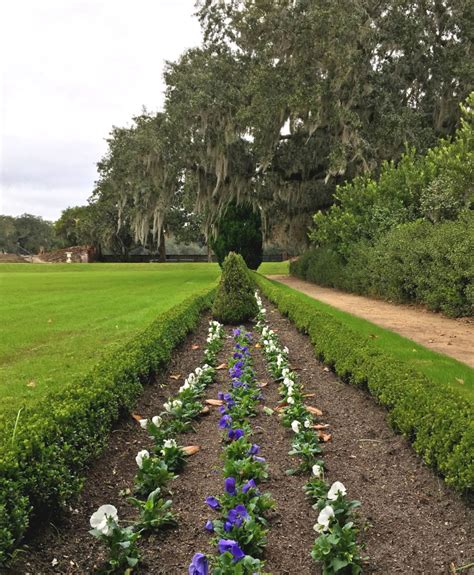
(57, 319)
(274, 268)
(439, 368)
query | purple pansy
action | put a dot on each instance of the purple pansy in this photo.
(232, 547)
(199, 565)
(237, 515)
(230, 486)
(249, 485)
(259, 459)
(213, 503)
(225, 421)
(209, 526)
(235, 434)
(254, 449)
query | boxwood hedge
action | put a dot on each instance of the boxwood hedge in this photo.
(437, 419)
(43, 456)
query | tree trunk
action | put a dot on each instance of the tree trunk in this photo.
(162, 247)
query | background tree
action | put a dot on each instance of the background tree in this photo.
(26, 234)
(239, 230)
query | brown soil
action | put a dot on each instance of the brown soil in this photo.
(414, 524)
(453, 337)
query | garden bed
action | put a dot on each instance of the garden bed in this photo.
(411, 522)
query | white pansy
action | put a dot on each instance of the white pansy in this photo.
(285, 372)
(141, 455)
(307, 423)
(169, 443)
(144, 423)
(157, 420)
(290, 400)
(205, 367)
(198, 370)
(296, 426)
(167, 406)
(288, 382)
(99, 519)
(317, 470)
(286, 350)
(336, 488)
(324, 518)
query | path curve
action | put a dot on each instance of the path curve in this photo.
(452, 337)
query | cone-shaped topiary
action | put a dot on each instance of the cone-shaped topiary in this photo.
(235, 300)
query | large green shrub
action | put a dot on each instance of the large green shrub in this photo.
(407, 236)
(437, 418)
(42, 462)
(235, 301)
(420, 262)
(239, 230)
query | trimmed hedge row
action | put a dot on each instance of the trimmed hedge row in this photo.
(419, 262)
(438, 420)
(42, 461)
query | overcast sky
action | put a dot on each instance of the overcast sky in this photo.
(70, 70)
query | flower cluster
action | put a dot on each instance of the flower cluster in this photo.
(335, 547)
(159, 465)
(240, 529)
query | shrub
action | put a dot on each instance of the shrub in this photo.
(42, 464)
(437, 419)
(418, 262)
(235, 300)
(239, 230)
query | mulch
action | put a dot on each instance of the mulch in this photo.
(410, 521)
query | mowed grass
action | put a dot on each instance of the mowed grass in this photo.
(274, 268)
(57, 319)
(437, 367)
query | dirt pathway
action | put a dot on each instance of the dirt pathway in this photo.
(453, 337)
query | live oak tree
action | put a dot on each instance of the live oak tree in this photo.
(284, 100)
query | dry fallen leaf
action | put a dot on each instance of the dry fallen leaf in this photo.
(31, 383)
(137, 417)
(314, 410)
(459, 380)
(321, 426)
(264, 384)
(326, 369)
(176, 377)
(257, 345)
(191, 449)
(280, 406)
(205, 410)
(221, 366)
(309, 395)
(195, 346)
(325, 437)
(215, 402)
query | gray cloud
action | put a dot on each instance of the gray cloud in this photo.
(73, 70)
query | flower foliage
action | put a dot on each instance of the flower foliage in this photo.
(336, 546)
(241, 527)
(157, 467)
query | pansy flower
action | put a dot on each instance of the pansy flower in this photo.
(232, 547)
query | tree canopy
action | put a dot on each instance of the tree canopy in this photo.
(283, 101)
